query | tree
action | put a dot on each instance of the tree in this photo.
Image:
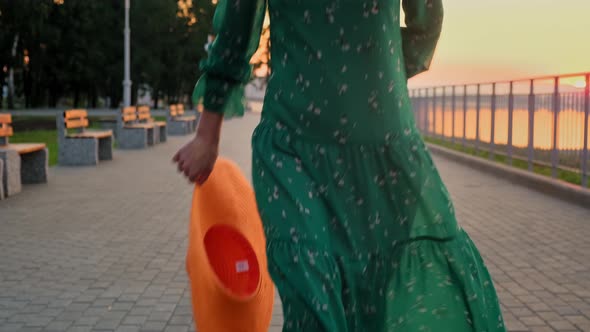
(73, 49)
(21, 23)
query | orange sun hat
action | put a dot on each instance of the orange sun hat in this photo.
(226, 258)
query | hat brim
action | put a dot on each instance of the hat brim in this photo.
(226, 206)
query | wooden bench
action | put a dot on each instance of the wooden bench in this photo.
(144, 115)
(131, 134)
(179, 123)
(78, 146)
(22, 163)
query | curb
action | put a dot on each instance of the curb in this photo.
(558, 189)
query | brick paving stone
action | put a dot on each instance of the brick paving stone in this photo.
(154, 326)
(11, 327)
(542, 329)
(532, 321)
(135, 320)
(29, 329)
(176, 328)
(115, 262)
(563, 325)
(58, 326)
(79, 328)
(128, 328)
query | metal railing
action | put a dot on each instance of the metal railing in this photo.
(542, 121)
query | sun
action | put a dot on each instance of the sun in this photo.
(580, 84)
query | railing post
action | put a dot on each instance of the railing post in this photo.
(427, 109)
(510, 122)
(585, 137)
(417, 108)
(424, 110)
(531, 143)
(413, 102)
(415, 96)
(477, 109)
(433, 112)
(443, 110)
(493, 122)
(464, 115)
(453, 105)
(555, 141)
(420, 103)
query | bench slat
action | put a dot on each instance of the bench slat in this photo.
(90, 134)
(186, 118)
(81, 123)
(129, 114)
(24, 148)
(5, 131)
(129, 117)
(143, 112)
(140, 125)
(129, 110)
(172, 110)
(75, 114)
(5, 118)
(176, 110)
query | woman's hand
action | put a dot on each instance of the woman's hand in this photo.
(197, 158)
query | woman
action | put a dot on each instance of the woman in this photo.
(361, 232)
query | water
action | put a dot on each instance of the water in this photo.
(570, 121)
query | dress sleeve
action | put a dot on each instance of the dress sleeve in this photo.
(419, 38)
(237, 25)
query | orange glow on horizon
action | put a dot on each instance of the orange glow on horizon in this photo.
(499, 40)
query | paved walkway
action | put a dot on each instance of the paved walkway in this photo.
(102, 249)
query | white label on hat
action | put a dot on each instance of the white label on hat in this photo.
(242, 266)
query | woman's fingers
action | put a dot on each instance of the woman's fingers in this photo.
(200, 179)
(193, 162)
(193, 174)
(180, 165)
(193, 178)
(187, 171)
(203, 176)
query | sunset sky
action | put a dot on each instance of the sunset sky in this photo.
(486, 40)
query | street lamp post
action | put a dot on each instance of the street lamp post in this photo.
(127, 78)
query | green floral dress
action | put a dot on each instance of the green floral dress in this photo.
(361, 231)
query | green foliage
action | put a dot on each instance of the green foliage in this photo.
(73, 49)
(49, 137)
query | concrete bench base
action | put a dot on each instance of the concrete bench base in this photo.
(86, 151)
(83, 148)
(180, 128)
(19, 169)
(135, 138)
(158, 136)
(162, 131)
(34, 167)
(11, 174)
(105, 148)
